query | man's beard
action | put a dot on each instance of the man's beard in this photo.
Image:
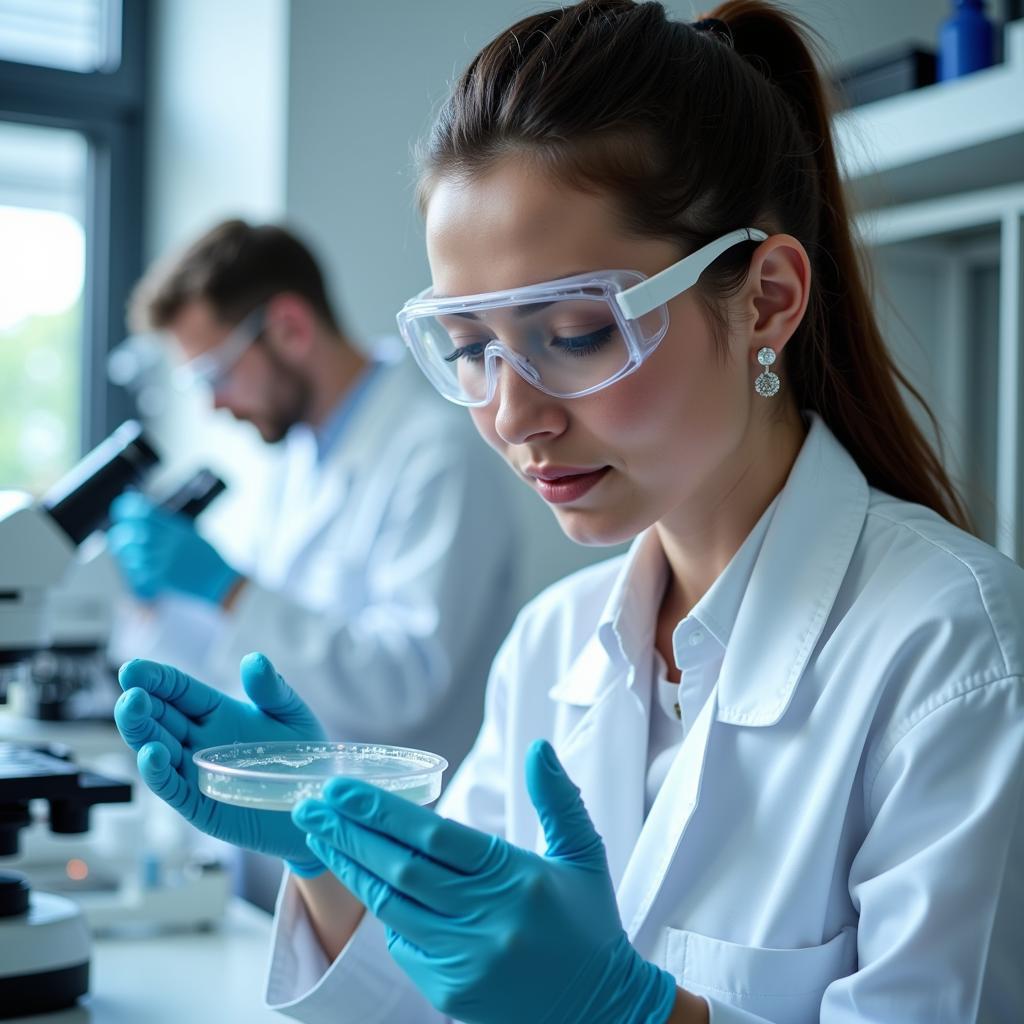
(292, 400)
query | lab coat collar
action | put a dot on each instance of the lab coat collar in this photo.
(717, 610)
(625, 627)
(809, 537)
(802, 564)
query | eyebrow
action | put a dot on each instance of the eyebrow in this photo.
(532, 307)
(525, 310)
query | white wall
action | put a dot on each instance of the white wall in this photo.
(215, 148)
(364, 80)
(855, 29)
(216, 142)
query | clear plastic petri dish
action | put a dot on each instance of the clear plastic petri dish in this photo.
(276, 776)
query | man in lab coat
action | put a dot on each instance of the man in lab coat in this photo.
(381, 574)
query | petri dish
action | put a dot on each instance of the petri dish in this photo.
(277, 775)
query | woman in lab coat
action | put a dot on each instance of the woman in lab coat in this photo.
(794, 710)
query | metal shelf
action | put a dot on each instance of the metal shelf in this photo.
(955, 136)
(940, 174)
(947, 240)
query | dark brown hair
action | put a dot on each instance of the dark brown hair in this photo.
(696, 131)
(235, 267)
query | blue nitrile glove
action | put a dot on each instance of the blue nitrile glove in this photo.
(159, 551)
(167, 716)
(489, 932)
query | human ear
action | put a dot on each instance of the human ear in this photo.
(291, 324)
(778, 288)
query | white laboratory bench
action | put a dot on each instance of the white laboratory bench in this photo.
(169, 979)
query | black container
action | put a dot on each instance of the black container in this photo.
(883, 75)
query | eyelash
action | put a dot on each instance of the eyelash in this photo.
(584, 345)
(587, 344)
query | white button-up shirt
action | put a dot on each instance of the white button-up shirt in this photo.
(839, 837)
(699, 644)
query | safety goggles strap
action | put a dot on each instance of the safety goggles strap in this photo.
(639, 300)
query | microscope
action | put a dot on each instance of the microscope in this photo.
(59, 589)
(58, 575)
(55, 570)
(44, 939)
(48, 606)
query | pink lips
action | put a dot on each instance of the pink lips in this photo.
(562, 484)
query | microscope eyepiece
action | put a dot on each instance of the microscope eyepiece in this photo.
(79, 501)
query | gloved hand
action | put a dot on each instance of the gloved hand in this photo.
(167, 716)
(160, 551)
(489, 932)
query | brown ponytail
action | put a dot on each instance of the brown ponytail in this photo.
(696, 133)
(845, 370)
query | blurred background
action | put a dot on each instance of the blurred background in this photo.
(129, 126)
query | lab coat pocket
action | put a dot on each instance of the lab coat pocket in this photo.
(784, 986)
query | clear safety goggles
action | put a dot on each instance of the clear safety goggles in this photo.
(568, 338)
(212, 368)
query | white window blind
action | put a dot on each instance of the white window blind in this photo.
(77, 35)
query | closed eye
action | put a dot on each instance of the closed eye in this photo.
(584, 344)
(472, 352)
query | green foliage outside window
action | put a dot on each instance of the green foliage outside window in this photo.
(40, 376)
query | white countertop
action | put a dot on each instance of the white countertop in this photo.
(172, 979)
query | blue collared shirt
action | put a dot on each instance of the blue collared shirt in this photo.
(333, 428)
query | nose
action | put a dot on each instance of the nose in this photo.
(521, 411)
(221, 400)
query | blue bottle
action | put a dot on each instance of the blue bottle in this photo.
(965, 40)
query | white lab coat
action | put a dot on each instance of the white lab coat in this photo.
(381, 582)
(839, 838)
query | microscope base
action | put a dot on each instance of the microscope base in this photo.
(46, 957)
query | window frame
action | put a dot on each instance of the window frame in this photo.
(108, 108)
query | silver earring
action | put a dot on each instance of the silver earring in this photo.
(767, 384)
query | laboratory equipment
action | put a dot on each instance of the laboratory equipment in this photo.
(966, 40)
(890, 72)
(58, 585)
(154, 698)
(136, 870)
(44, 936)
(58, 589)
(277, 775)
(56, 602)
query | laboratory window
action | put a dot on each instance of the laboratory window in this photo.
(72, 106)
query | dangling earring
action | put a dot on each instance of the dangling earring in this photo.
(767, 384)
